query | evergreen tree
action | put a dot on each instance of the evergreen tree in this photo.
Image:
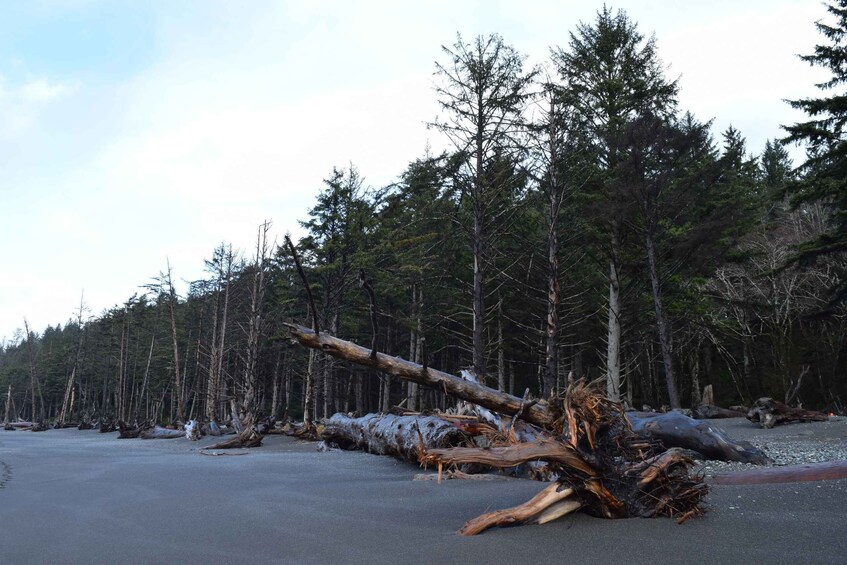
(825, 168)
(612, 76)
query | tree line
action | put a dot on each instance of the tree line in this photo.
(582, 224)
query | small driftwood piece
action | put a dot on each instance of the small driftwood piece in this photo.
(129, 432)
(551, 503)
(248, 438)
(193, 430)
(40, 426)
(304, 431)
(769, 413)
(106, 426)
(828, 471)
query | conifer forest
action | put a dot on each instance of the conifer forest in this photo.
(581, 223)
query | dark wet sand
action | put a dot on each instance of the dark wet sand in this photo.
(68, 496)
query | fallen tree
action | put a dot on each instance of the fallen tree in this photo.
(449, 384)
(827, 471)
(675, 429)
(603, 466)
(769, 412)
(147, 430)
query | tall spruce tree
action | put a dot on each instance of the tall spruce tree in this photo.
(825, 168)
(613, 76)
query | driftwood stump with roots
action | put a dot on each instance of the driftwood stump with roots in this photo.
(604, 468)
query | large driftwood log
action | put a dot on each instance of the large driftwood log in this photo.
(388, 434)
(158, 432)
(830, 470)
(678, 430)
(20, 425)
(675, 430)
(711, 412)
(147, 430)
(769, 412)
(406, 370)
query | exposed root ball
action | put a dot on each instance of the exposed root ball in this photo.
(605, 469)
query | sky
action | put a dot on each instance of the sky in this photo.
(133, 134)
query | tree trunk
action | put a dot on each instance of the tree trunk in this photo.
(6, 420)
(478, 352)
(553, 298)
(613, 351)
(661, 322)
(309, 386)
(501, 354)
(36, 386)
(177, 380)
(215, 380)
(414, 346)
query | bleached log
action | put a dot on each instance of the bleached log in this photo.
(450, 384)
(388, 434)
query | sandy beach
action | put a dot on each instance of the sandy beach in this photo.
(69, 496)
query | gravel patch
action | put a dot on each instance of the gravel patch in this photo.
(787, 444)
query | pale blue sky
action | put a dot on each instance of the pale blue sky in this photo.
(132, 132)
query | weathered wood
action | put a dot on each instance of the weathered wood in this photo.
(553, 502)
(400, 368)
(678, 430)
(21, 425)
(612, 472)
(249, 437)
(769, 412)
(193, 430)
(158, 432)
(388, 434)
(511, 456)
(828, 471)
(712, 412)
(6, 419)
(128, 432)
(675, 430)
